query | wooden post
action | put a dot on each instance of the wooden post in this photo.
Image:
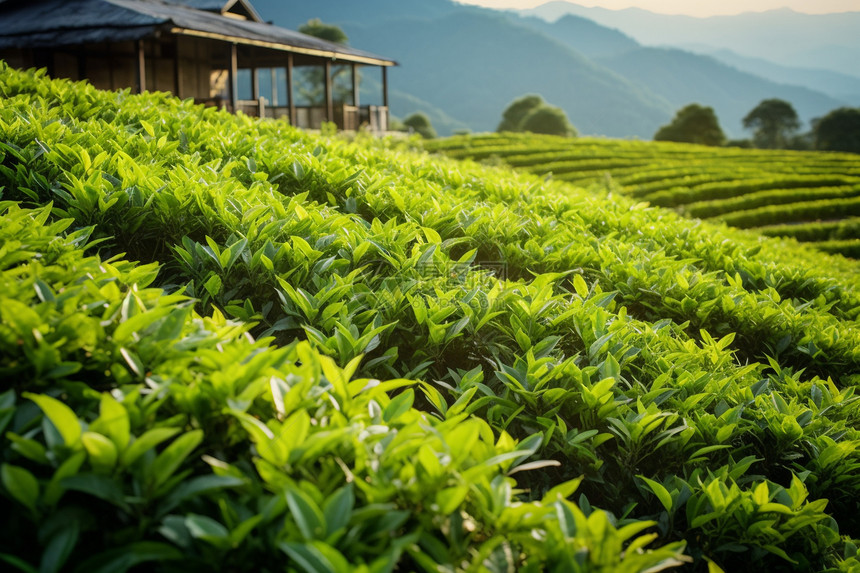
(177, 75)
(355, 86)
(234, 77)
(385, 86)
(141, 67)
(329, 96)
(291, 100)
(111, 66)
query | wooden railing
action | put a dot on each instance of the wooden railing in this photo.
(346, 117)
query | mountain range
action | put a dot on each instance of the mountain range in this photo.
(827, 41)
(462, 65)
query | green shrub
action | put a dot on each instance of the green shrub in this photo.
(342, 355)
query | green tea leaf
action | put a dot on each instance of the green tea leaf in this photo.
(144, 443)
(661, 492)
(59, 548)
(306, 514)
(173, 455)
(63, 418)
(21, 485)
(102, 452)
(398, 406)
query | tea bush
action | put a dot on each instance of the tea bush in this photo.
(343, 355)
(756, 189)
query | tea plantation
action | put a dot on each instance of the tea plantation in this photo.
(229, 345)
(812, 197)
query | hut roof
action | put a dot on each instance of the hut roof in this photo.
(52, 23)
(220, 6)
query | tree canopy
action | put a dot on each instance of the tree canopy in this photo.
(693, 124)
(773, 122)
(420, 124)
(318, 29)
(531, 113)
(513, 116)
(839, 130)
(549, 120)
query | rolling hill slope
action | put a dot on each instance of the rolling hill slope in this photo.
(838, 85)
(487, 60)
(779, 193)
(683, 77)
(227, 344)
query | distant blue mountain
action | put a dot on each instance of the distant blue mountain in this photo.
(823, 41)
(683, 77)
(462, 65)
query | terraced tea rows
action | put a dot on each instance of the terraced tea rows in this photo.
(230, 345)
(779, 193)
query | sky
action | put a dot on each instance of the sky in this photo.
(700, 8)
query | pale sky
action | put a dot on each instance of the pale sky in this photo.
(694, 7)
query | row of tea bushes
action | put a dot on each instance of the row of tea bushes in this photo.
(694, 382)
(743, 187)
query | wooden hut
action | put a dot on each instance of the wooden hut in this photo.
(218, 52)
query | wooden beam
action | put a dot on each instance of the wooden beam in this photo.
(355, 86)
(234, 77)
(329, 95)
(141, 67)
(292, 99)
(286, 48)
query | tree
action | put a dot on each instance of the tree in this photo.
(773, 122)
(328, 32)
(839, 130)
(531, 113)
(420, 124)
(548, 119)
(310, 81)
(693, 124)
(513, 116)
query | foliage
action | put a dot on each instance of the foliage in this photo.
(420, 124)
(773, 122)
(328, 32)
(693, 124)
(549, 120)
(532, 114)
(515, 113)
(839, 130)
(342, 355)
(747, 188)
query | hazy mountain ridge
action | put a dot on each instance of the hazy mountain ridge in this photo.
(835, 84)
(683, 77)
(486, 60)
(786, 37)
(462, 65)
(586, 36)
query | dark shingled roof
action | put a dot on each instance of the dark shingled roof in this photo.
(51, 23)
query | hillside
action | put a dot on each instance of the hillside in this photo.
(486, 61)
(585, 36)
(605, 80)
(841, 86)
(227, 344)
(811, 196)
(783, 36)
(682, 78)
